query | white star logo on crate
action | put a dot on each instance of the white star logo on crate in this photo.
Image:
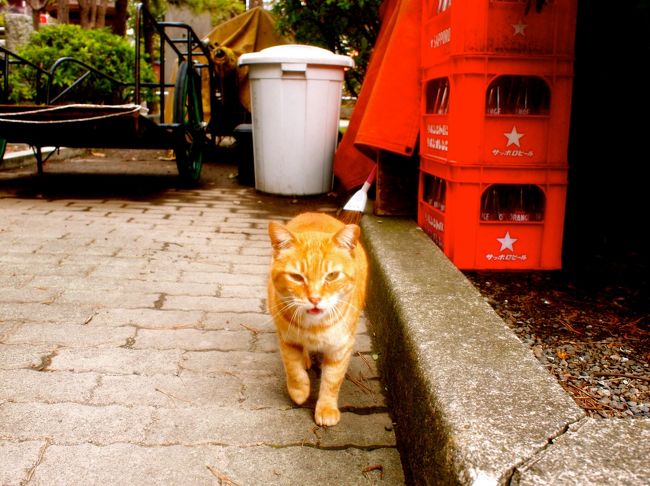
(513, 137)
(520, 28)
(507, 241)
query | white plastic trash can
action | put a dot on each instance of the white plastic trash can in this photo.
(295, 108)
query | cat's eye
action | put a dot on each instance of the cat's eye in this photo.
(332, 276)
(296, 277)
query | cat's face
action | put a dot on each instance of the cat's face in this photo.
(312, 272)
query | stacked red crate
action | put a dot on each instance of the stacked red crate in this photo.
(497, 27)
(497, 79)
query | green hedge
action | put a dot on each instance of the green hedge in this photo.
(109, 53)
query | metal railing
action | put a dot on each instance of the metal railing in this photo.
(185, 43)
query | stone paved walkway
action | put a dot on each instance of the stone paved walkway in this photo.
(135, 347)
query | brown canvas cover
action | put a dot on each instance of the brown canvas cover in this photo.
(250, 31)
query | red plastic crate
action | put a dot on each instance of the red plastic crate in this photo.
(493, 174)
(463, 131)
(496, 27)
(526, 238)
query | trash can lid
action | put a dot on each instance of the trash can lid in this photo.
(296, 53)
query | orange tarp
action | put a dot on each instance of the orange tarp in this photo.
(387, 113)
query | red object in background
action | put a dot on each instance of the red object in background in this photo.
(497, 27)
(386, 114)
(511, 111)
(494, 218)
(499, 148)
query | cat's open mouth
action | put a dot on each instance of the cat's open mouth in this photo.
(314, 311)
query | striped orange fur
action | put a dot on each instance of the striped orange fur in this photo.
(316, 293)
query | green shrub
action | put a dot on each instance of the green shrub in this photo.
(111, 54)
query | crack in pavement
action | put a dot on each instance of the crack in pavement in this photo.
(513, 475)
(39, 460)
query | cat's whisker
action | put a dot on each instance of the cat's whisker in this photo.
(296, 318)
(335, 312)
(284, 305)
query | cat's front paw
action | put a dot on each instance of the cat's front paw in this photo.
(299, 391)
(326, 414)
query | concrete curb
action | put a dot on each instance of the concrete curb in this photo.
(472, 403)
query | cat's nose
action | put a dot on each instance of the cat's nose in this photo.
(314, 299)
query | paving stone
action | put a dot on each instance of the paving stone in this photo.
(45, 386)
(235, 362)
(125, 361)
(214, 304)
(169, 391)
(223, 278)
(70, 335)
(148, 318)
(30, 294)
(20, 267)
(109, 298)
(266, 342)
(193, 340)
(37, 313)
(70, 282)
(254, 321)
(237, 290)
(7, 328)
(273, 427)
(208, 465)
(22, 356)
(72, 423)
(18, 458)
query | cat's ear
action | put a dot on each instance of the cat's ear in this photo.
(281, 237)
(348, 236)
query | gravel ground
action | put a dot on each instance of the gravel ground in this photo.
(595, 340)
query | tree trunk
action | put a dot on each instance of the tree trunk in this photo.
(84, 14)
(93, 14)
(101, 14)
(62, 12)
(36, 19)
(36, 6)
(121, 16)
(148, 35)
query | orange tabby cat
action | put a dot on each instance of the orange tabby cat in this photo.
(316, 292)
